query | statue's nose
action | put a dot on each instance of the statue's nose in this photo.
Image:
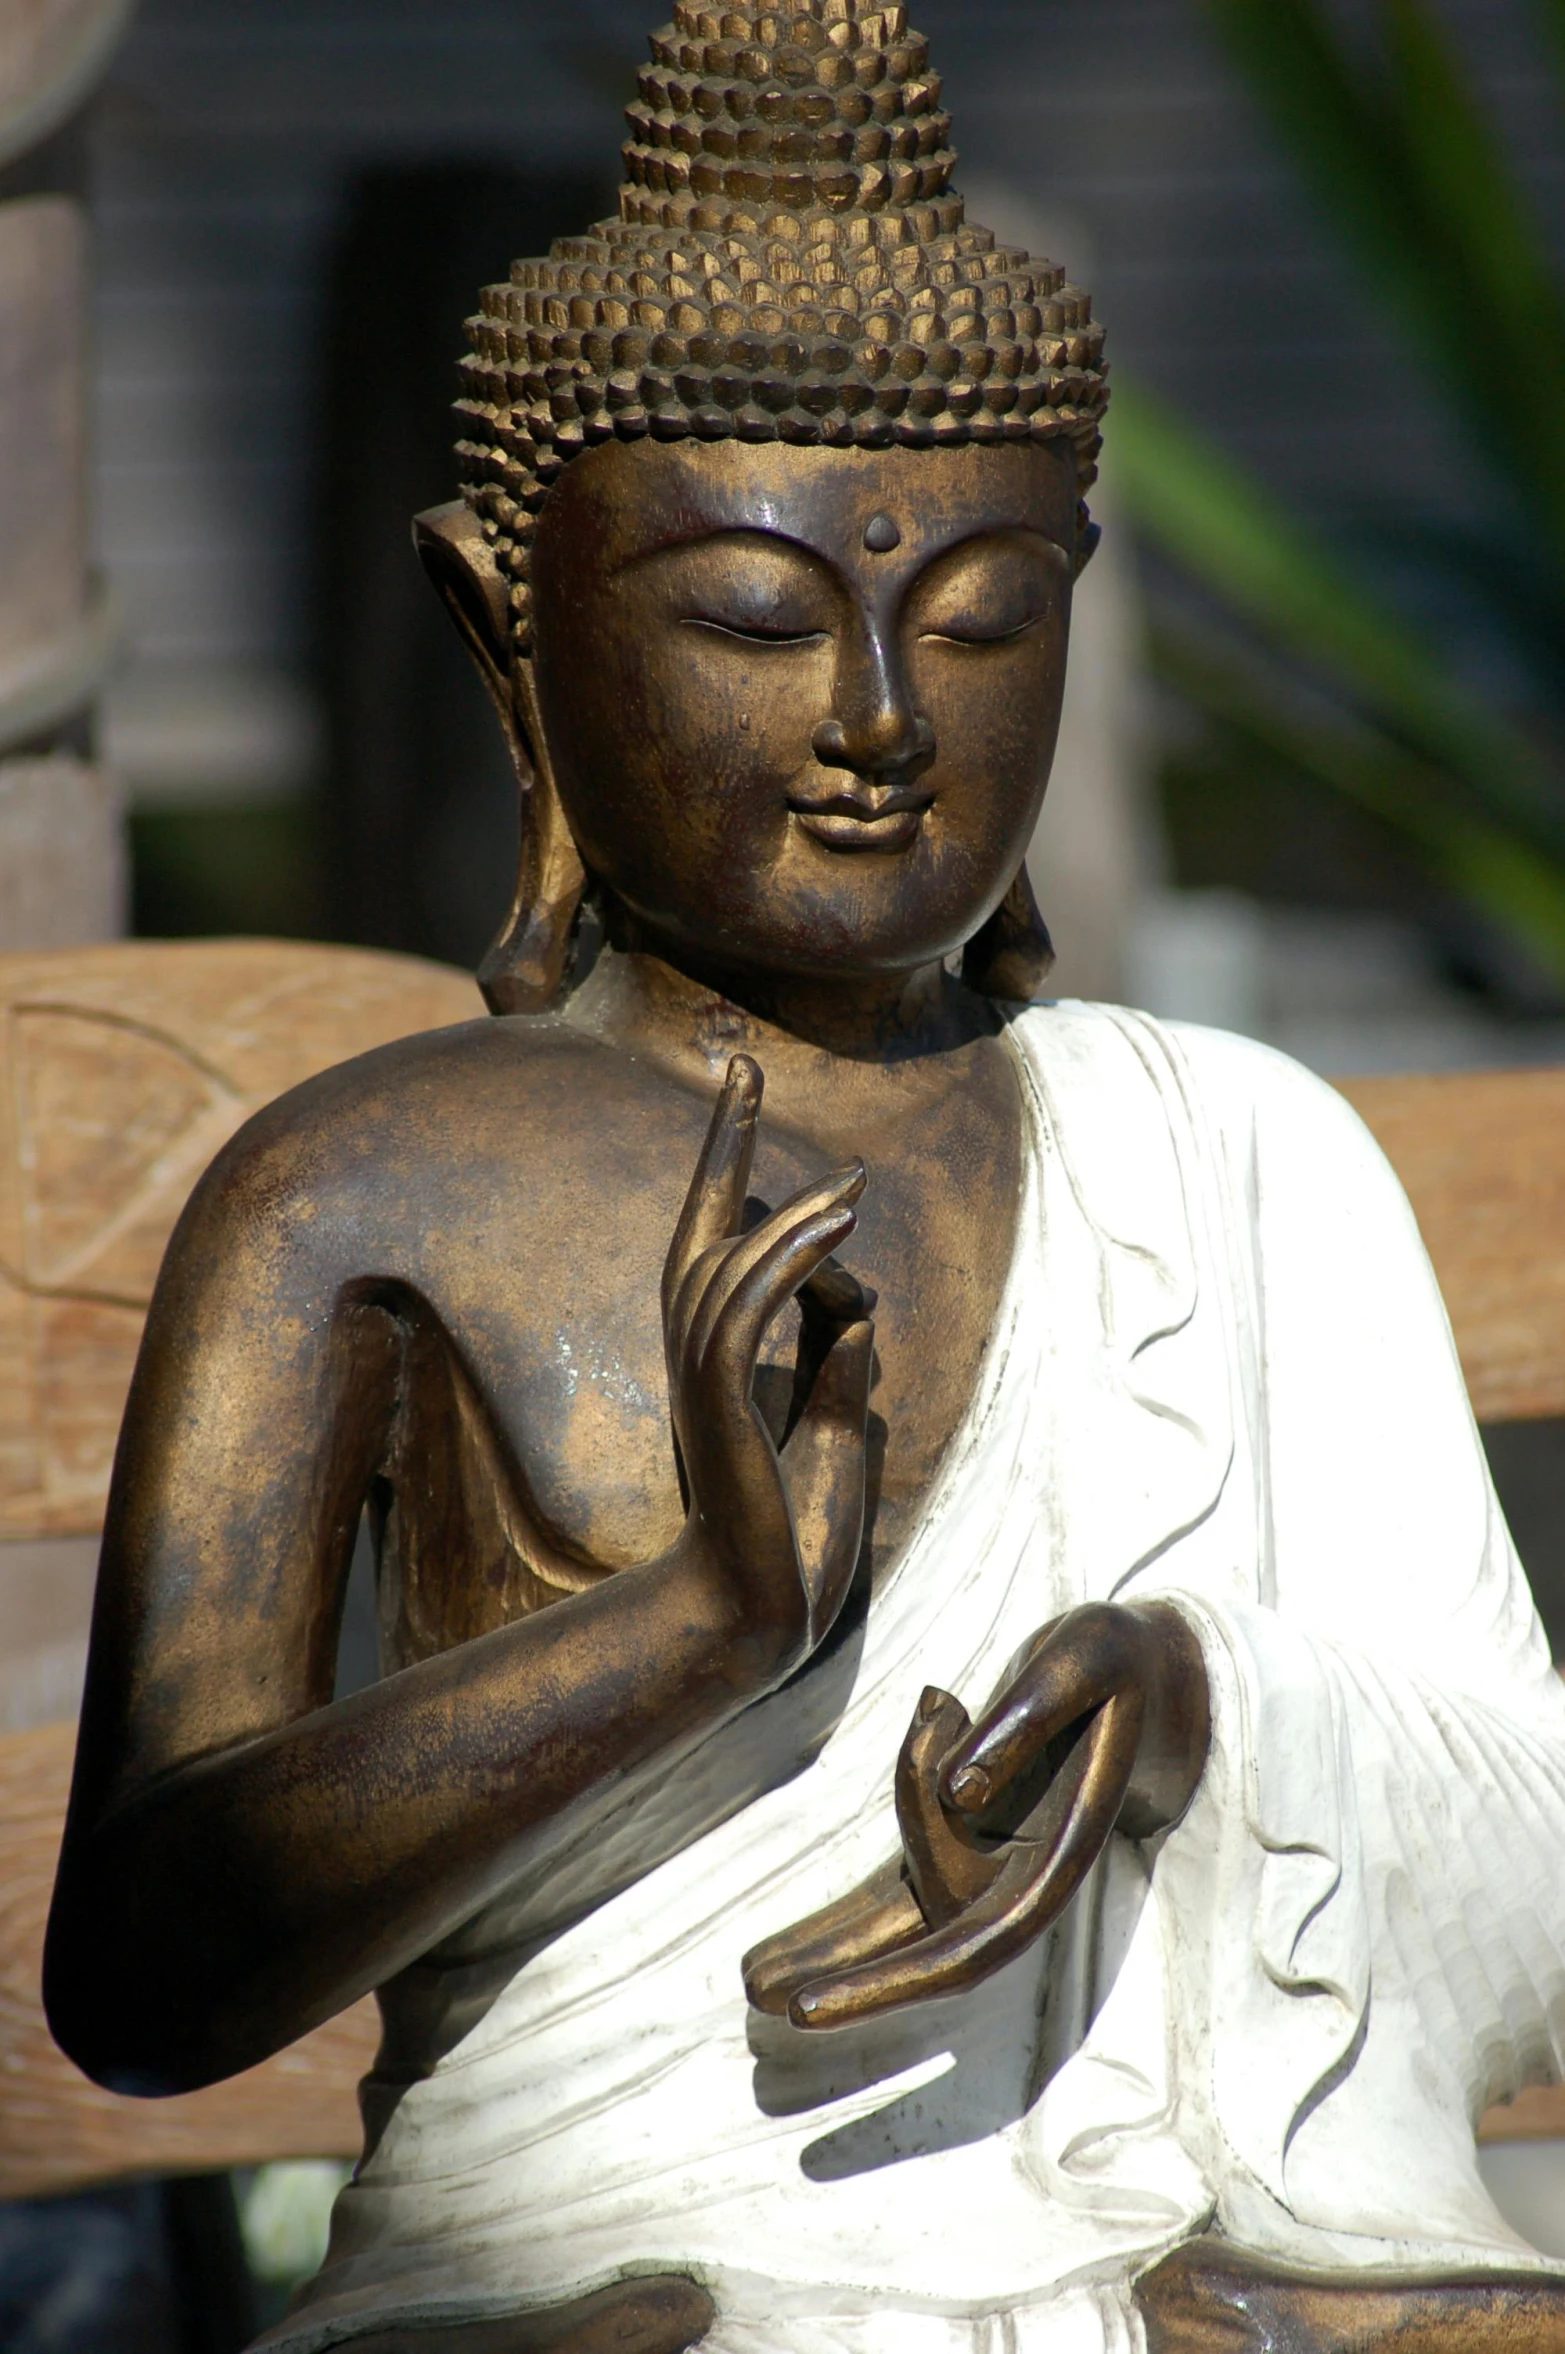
(873, 728)
(901, 750)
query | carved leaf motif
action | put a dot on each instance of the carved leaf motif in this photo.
(114, 1125)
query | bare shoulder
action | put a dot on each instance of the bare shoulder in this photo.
(517, 1120)
(536, 1087)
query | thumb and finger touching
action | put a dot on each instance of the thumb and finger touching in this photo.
(765, 1267)
(1040, 1870)
(787, 1534)
(1075, 1706)
(1084, 1661)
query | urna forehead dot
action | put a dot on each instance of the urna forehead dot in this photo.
(882, 534)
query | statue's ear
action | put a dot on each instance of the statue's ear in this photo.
(528, 967)
(460, 562)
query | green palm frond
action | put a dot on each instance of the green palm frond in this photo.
(1226, 530)
(1268, 722)
(1403, 164)
(1323, 678)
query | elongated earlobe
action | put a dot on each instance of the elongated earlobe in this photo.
(1013, 956)
(528, 967)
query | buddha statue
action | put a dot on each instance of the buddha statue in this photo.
(964, 1757)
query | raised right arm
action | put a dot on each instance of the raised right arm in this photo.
(244, 1857)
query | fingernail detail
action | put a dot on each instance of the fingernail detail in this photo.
(971, 1787)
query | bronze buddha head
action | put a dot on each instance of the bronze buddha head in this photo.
(773, 500)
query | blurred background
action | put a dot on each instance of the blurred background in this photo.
(1312, 781)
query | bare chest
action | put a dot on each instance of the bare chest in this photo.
(533, 1452)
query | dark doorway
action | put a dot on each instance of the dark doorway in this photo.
(420, 815)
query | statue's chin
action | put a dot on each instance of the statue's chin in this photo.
(865, 915)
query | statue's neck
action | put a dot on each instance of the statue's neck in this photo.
(705, 1016)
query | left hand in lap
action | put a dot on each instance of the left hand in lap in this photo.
(1101, 1725)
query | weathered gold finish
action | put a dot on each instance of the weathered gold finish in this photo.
(1208, 2297)
(781, 665)
(1103, 1725)
(655, 2316)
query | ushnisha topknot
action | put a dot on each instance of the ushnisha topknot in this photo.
(790, 263)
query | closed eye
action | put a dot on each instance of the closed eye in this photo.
(981, 637)
(754, 633)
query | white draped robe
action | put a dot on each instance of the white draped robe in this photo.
(1221, 1374)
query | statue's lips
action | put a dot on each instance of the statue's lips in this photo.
(888, 821)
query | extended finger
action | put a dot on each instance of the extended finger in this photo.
(1089, 1656)
(947, 1961)
(873, 1919)
(715, 1202)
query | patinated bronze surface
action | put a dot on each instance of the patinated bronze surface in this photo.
(372, 1279)
(775, 616)
(1104, 1724)
(1208, 2299)
(703, 612)
(641, 2317)
(366, 1296)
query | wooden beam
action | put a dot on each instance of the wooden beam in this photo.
(1482, 1156)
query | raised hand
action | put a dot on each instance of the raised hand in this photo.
(1103, 1725)
(778, 1535)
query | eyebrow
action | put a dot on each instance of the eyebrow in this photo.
(706, 534)
(983, 531)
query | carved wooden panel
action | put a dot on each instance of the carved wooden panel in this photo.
(1482, 1155)
(122, 1070)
